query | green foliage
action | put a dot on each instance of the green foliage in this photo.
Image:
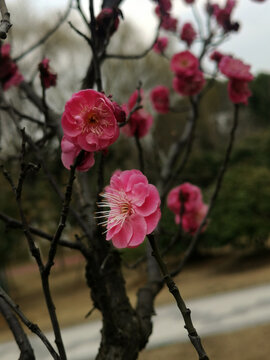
(259, 102)
(241, 216)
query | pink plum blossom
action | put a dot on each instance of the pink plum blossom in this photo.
(9, 72)
(169, 23)
(235, 69)
(216, 56)
(184, 63)
(48, 78)
(69, 153)
(188, 34)
(192, 221)
(163, 8)
(189, 85)
(90, 120)
(160, 99)
(161, 45)
(223, 16)
(140, 121)
(134, 208)
(239, 76)
(186, 201)
(107, 21)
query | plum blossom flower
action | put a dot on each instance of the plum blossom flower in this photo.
(69, 153)
(140, 121)
(223, 15)
(9, 72)
(239, 76)
(90, 120)
(184, 63)
(47, 77)
(216, 56)
(188, 34)
(169, 23)
(107, 22)
(161, 45)
(186, 202)
(134, 208)
(160, 99)
(189, 85)
(163, 8)
(189, 80)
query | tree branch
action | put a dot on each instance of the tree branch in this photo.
(5, 24)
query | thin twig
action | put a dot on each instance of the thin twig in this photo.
(136, 56)
(5, 24)
(186, 313)
(15, 224)
(33, 327)
(64, 214)
(47, 35)
(219, 181)
(17, 331)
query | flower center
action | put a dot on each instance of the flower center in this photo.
(120, 208)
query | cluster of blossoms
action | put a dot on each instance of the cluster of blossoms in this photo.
(90, 123)
(140, 121)
(9, 72)
(134, 208)
(159, 97)
(162, 10)
(223, 15)
(161, 45)
(47, 77)
(188, 34)
(185, 201)
(188, 80)
(239, 76)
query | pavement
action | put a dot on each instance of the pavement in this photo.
(213, 314)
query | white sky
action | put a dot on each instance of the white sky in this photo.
(251, 43)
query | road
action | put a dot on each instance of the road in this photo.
(220, 313)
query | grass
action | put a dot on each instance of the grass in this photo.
(207, 275)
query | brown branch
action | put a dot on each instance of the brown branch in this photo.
(136, 56)
(33, 327)
(15, 224)
(17, 331)
(64, 214)
(186, 313)
(5, 24)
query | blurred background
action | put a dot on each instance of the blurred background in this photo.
(239, 227)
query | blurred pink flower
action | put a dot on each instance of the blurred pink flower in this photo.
(169, 23)
(239, 76)
(9, 72)
(133, 208)
(69, 153)
(192, 221)
(159, 96)
(160, 45)
(223, 16)
(235, 69)
(89, 120)
(187, 198)
(164, 7)
(48, 78)
(189, 1)
(107, 20)
(184, 63)
(189, 85)
(188, 34)
(140, 121)
(216, 56)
